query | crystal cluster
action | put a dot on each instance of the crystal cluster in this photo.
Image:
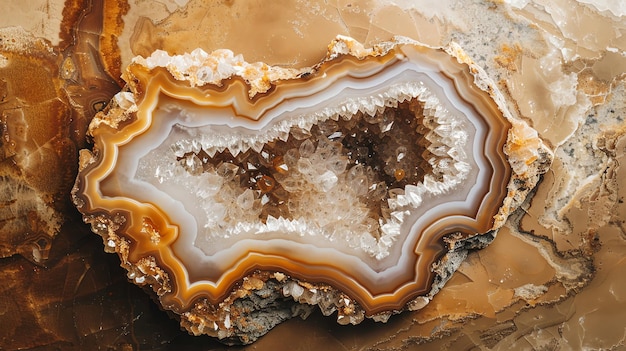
(349, 178)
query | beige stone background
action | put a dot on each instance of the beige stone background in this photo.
(551, 280)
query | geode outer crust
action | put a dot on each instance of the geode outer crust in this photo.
(143, 235)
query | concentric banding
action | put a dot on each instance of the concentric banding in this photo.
(212, 119)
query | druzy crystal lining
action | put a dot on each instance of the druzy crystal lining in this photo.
(329, 192)
(348, 174)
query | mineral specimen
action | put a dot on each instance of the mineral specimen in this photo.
(358, 184)
(552, 279)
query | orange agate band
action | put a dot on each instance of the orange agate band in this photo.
(141, 172)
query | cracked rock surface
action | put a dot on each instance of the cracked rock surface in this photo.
(551, 279)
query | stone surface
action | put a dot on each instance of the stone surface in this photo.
(551, 279)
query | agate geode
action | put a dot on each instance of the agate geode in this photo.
(357, 185)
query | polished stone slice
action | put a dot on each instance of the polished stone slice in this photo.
(171, 188)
